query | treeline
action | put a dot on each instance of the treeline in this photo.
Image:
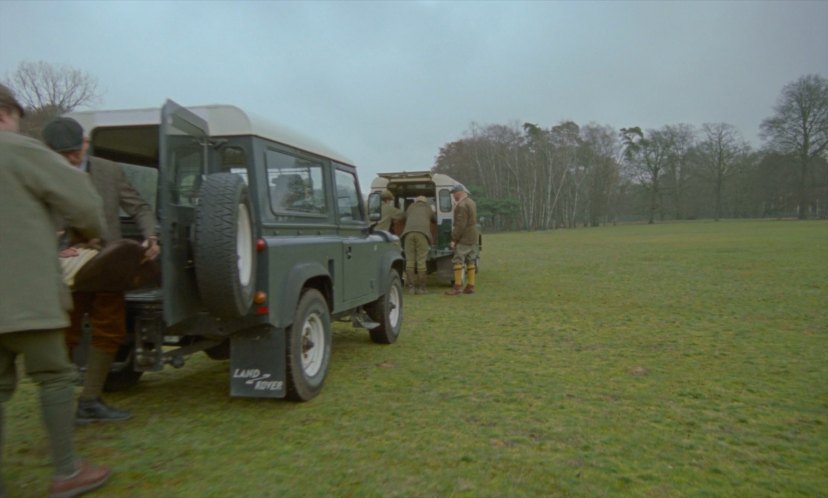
(527, 177)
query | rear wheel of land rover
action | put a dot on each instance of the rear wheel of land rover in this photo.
(224, 252)
(388, 311)
(308, 347)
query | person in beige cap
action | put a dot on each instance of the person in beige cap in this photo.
(389, 213)
(35, 185)
(464, 241)
(416, 242)
(106, 310)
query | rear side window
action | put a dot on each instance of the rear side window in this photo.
(444, 200)
(234, 160)
(295, 184)
(348, 202)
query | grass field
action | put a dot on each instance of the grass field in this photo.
(672, 360)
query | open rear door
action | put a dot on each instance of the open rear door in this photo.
(184, 155)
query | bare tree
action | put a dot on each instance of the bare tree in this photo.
(599, 150)
(721, 150)
(566, 140)
(679, 160)
(648, 159)
(490, 157)
(550, 157)
(799, 127)
(48, 90)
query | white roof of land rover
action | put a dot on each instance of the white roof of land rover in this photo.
(440, 180)
(223, 121)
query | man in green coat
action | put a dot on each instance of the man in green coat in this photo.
(35, 185)
(416, 242)
(389, 213)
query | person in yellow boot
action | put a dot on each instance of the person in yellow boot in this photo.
(464, 239)
(416, 241)
(106, 310)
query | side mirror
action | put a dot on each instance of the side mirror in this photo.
(373, 219)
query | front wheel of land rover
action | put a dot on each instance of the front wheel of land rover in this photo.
(388, 311)
(308, 347)
(224, 252)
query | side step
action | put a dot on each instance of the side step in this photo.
(361, 319)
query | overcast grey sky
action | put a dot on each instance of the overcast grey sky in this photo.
(388, 83)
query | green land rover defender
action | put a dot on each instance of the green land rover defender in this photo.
(265, 240)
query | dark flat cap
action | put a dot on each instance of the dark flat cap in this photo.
(118, 268)
(63, 134)
(458, 187)
(7, 99)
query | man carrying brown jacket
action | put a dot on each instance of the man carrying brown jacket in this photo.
(35, 185)
(464, 241)
(106, 310)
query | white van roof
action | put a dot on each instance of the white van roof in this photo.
(223, 121)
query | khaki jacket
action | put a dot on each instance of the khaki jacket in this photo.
(116, 192)
(388, 213)
(418, 218)
(37, 184)
(464, 230)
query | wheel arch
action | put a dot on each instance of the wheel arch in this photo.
(392, 261)
(302, 276)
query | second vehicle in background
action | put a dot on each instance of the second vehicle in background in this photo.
(436, 187)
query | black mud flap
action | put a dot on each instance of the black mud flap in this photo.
(257, 363)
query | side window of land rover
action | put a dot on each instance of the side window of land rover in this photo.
(348, 202)
(234, 160)
(295, 184)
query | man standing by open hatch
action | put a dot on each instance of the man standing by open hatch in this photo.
(389, 213)
(35, 185)
(419, 217)
(107, 310)
(464, 239)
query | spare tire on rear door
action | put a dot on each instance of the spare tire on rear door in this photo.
(224, 252)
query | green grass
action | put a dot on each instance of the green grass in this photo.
(655, 361)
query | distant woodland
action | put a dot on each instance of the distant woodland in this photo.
(530, 177)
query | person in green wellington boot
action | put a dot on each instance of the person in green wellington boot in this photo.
(35, 186)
